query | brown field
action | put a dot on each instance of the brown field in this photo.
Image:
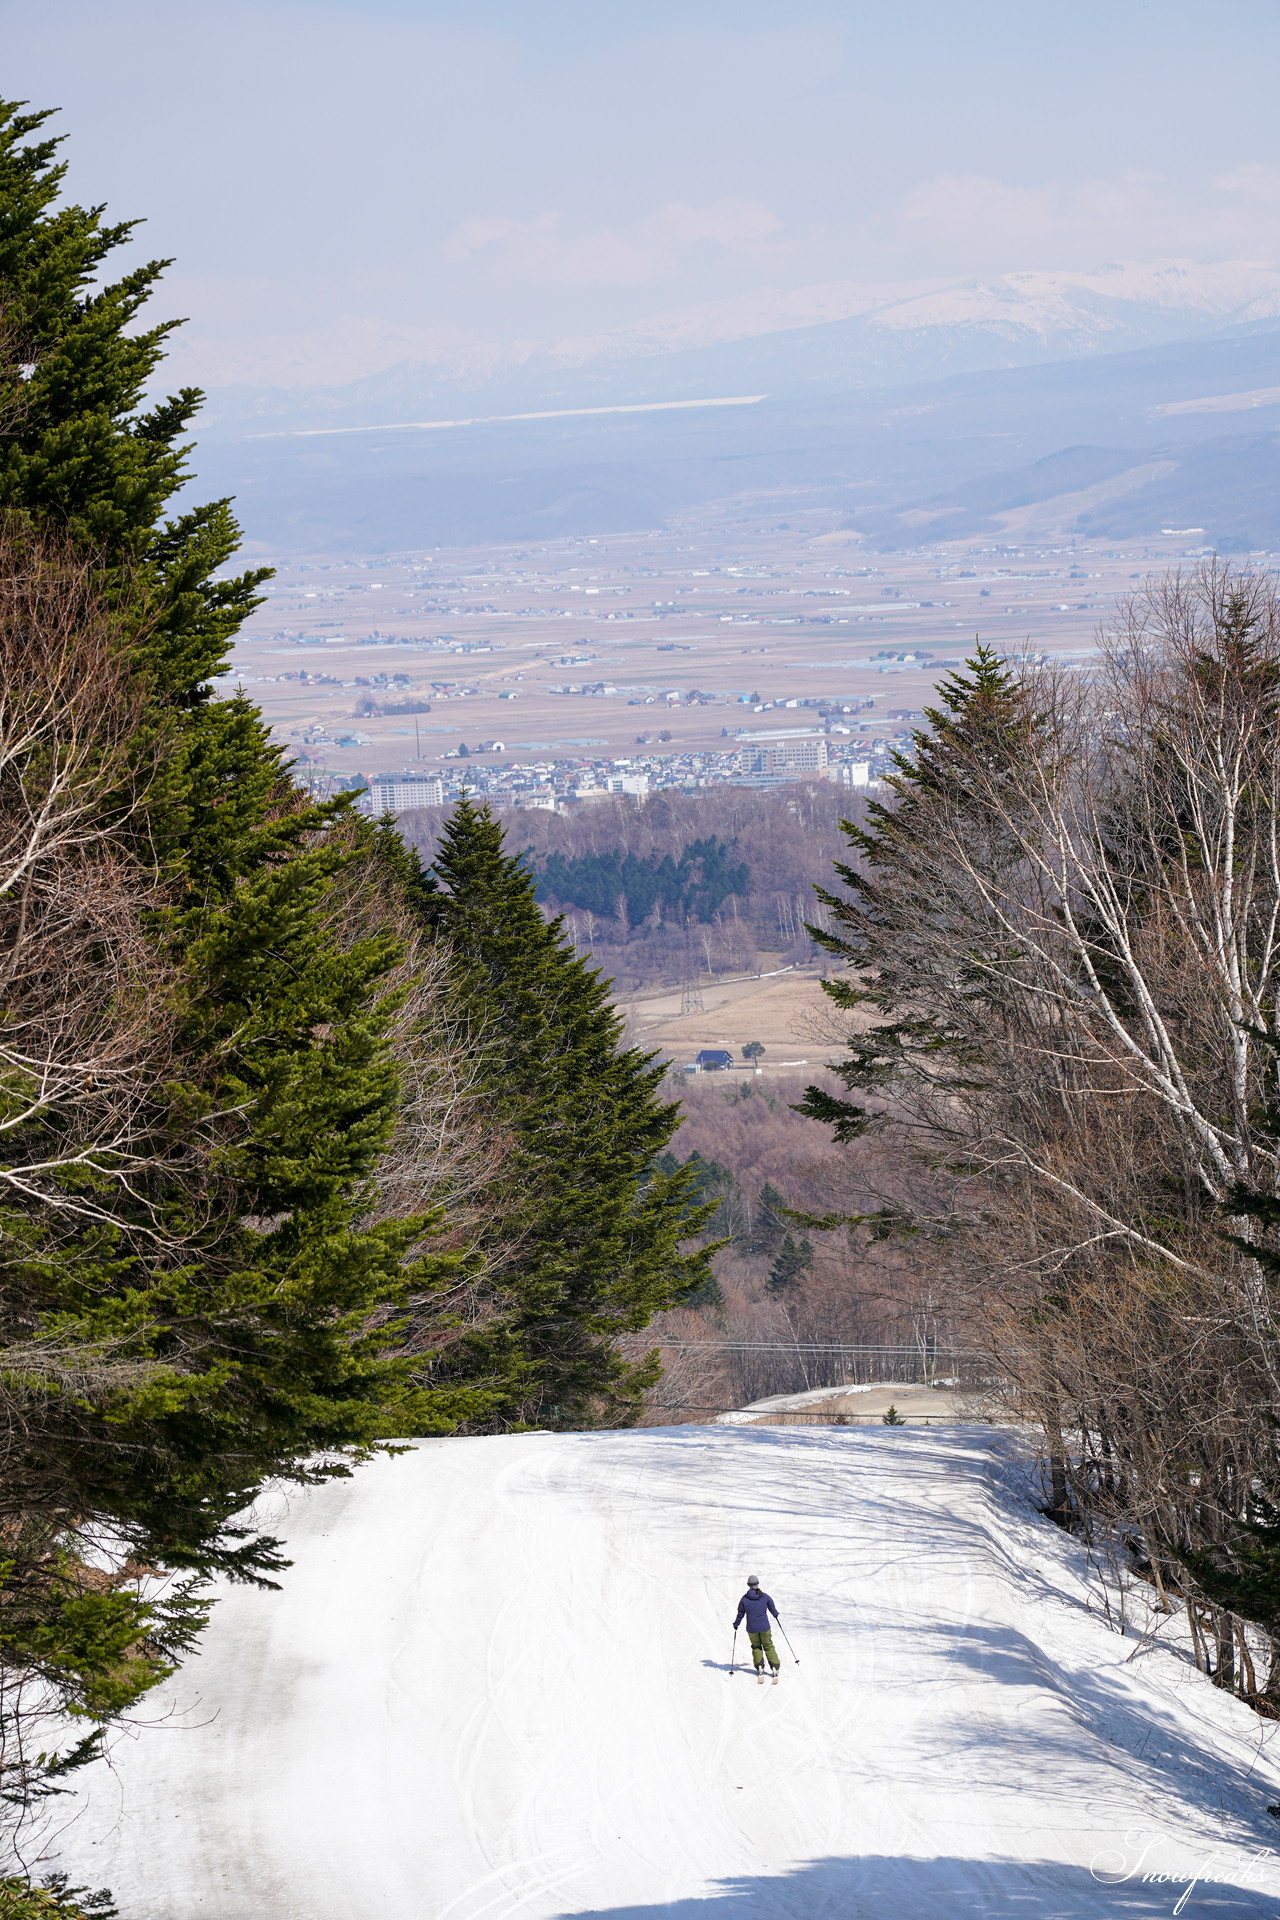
(678, 623)
(787, 1014)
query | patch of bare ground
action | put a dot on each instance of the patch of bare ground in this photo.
(785, 1013)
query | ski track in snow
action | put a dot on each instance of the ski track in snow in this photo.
(495, 1685)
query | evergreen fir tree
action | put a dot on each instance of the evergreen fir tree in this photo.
(587, 1229)
(793, 1261)
(1242, 1573)
(707, 1294)
(715, 1196)
(714, 1200)
(964, 763)
(769, 1228)
(247, 1299)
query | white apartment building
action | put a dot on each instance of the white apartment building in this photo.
(394, 792)
(787, 756)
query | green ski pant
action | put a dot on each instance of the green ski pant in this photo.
(762, 1644)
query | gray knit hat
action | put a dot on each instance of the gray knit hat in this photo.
(753, 1579)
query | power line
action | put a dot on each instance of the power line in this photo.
(762, 1416)
(799, 1347)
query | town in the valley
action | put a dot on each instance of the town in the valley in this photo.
(710, 654)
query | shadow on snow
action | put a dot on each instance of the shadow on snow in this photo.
(877, 1885)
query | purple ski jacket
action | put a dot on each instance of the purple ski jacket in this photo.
(757, 1606)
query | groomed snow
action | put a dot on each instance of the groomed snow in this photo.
(496, 1684)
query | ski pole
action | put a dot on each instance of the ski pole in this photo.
(790, 1649)
(734, 1655)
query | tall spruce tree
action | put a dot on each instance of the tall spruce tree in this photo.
(961, 766)
(586, 1233)
(217, 1304)
(794, 1259)
(769, 1228)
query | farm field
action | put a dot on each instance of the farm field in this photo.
(784, 1013)
(646, 643)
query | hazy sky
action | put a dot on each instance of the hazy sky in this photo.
(343, 181)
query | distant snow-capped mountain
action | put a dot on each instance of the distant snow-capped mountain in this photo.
(838, 335)
(1050, 305)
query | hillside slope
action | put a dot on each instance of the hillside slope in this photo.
(496, 1683)
(867, 453)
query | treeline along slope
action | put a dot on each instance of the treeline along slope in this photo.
(620, 887)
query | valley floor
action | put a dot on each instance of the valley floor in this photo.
(496, 1683)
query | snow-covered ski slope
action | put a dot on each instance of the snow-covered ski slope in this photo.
(496, 1683)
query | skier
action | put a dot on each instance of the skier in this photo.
(757, 1606)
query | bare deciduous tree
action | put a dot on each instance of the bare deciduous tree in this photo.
(1068, 932)
(85, 1023)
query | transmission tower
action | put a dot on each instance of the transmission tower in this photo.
(691, 989)
(691, 996)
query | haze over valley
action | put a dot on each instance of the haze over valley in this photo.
(1101, 441)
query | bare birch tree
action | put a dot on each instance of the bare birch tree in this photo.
(1067, 930)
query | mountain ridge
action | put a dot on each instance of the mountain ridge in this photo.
(896, 333)
(869, 456)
